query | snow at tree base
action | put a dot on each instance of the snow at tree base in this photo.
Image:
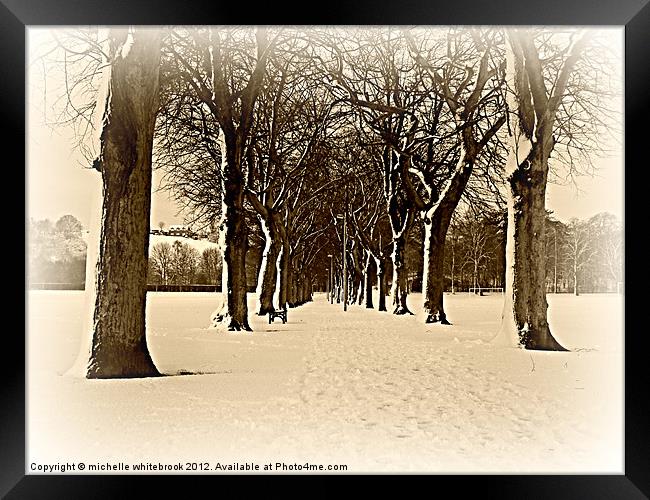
(366, 389)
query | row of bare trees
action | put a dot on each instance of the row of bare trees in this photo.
(581, 255)
(179, 263)
(281, 132)
(584, 255)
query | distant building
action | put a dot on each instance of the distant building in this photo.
(180, 230)
(176, 230)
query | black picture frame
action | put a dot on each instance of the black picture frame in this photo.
(16, 15)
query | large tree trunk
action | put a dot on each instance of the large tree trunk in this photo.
(297, 287)
(233, 242)
(435, 232)
(368, 280)
(235, 132)
(280, 296)
(357, 281)
(291, 286)
(284, 264)
(119, 346)
(360, 286)
(381, 283)
(267, 280)
(525, 308)
(337, 288)
(233, 314)
(399, 288)
(436, 225)
(531, 142)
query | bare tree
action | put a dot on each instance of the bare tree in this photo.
(580, 251)
(162, 261)
(227, 74)
(186, 260)
(477, 246)
(468, 84)
(537, 90)
(211, 265)
(119, 345)
(69, 226)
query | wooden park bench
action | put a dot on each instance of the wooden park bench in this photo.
(282, 314)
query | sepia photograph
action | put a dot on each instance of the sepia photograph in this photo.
(324, 249)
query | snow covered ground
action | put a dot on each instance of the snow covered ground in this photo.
(369, 390)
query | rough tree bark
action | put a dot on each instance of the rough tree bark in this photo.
(525, 276)
(305, 289)
(436, 225)
(297, 287)
(291, 286)
(435, 233)
(399, 287)
(233, 238)
(525, 310)
(119, 346)
(401, 213)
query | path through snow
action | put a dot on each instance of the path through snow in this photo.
(371, 390)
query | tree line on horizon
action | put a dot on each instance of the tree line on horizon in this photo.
(588, 252)
(56, 251)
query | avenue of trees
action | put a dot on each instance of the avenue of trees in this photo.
(427, 151)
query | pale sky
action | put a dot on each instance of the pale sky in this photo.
(58, 184)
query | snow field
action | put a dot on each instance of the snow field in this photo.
(374, 391)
